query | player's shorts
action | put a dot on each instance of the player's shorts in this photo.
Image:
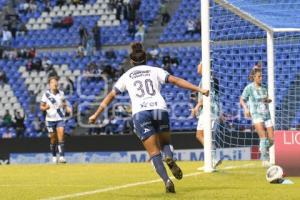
(267, 122)
(150, 122)
(52, 125)
(201, 121)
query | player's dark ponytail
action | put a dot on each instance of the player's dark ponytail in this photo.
(138, 54)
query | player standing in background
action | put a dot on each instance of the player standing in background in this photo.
(149, 110)
(254, 101)
(54, 104)
(197, 111)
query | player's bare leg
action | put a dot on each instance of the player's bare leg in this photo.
(200, 136)
(151, 145)
(167, 148)
(53, 146)
(263, 144)
(61, 145)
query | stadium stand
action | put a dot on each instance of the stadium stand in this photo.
(176, 30)
(232, 27)
(189, 10)
(2, 3)
(23, 85)
(43, 34)
(28, 84)
(268, 13)
(245, 57)
(8, 102)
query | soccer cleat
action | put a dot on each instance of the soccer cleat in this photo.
(62, 160)
(176, 171)
(216, 163)
(170, 186)
(54, 160)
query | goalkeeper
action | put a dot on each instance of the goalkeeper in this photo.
(254, 101)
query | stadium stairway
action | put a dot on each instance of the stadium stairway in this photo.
(36, 81)
(8, 100)
(154, 32)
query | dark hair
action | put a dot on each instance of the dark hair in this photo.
(255, 70)
(52, 77)
(138, 54)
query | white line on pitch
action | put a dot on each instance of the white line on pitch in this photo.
(47, 185)
(131, 185)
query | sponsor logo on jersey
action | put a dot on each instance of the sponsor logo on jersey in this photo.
(139, 73)
(148, 104)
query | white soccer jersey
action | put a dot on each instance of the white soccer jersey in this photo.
(143, 85)
(55, 101)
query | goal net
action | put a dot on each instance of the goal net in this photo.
(244, 34)
(287, 80)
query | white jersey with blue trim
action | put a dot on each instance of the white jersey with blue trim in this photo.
(143, 84)
(55, 101)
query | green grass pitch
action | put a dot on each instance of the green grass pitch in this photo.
(234, 180)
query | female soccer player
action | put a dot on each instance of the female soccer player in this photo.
(54, 103)
(254, 101)
(198, 112)
(150, 116)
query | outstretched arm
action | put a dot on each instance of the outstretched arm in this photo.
(186, 85)
(106, 101)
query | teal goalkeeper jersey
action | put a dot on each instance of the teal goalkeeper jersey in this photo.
(254, 96)
(214, 103)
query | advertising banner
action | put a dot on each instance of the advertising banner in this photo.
(129, 156)
(287, 151)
